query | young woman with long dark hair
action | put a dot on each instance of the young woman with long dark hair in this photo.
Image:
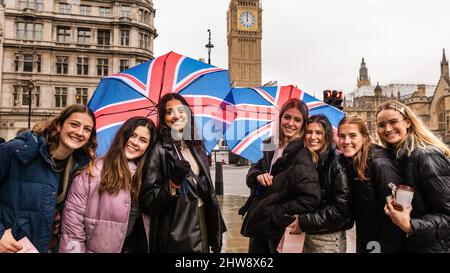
(102, 209)
(284, 182)
(177, 190)
(325, 227)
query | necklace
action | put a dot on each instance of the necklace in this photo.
(55, 169)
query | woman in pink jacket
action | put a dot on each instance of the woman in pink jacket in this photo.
(101, 212)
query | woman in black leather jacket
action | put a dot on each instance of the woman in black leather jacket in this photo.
(284, 183)
(325, 228)
(424, 161)
(177, 190)
(370, 169)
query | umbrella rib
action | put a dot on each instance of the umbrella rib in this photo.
(126, 111)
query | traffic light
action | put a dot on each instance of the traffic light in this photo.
(333, 98)
(338, 96)
(328, 97)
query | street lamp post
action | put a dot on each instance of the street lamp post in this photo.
(30, 85)
(209, 46)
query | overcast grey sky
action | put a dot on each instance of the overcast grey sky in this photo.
(319, 44)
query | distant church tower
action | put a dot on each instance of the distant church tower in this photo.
(244, 34)
(444, 66)
(363, 79)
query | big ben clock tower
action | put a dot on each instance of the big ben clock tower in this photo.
(244, 42)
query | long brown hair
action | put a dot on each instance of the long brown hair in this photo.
(327, 128)
(49, 129)
(362, 156)
(115, 173)
(301, 107)
(418, 135)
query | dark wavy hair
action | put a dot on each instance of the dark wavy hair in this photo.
(50, 130)
(324, 122)
(190, 136)
(115, 174)
(300, 106)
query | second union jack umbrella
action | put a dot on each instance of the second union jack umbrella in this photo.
(257, 112)
(137, 91)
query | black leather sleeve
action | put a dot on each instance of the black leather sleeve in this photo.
(155, 195)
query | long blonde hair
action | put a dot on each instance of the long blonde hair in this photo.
(362, 156)
(418, 135)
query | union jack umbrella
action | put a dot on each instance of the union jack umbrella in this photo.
(257, 112)
(137, 91)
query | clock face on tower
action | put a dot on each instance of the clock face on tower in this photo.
(247, 19)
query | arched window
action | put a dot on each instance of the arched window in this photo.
(440, 107)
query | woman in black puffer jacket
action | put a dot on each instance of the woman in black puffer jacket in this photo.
(326, 226)
(424, 162)
(284, 183)
(370, 169)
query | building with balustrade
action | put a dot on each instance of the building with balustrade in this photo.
(60, 49)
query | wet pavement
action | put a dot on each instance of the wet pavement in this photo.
(235, 195)
(233, 241)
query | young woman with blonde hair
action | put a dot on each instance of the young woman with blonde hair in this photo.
(370, 169)
(424, 163)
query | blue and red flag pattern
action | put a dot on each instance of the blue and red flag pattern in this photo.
(257, 112)
(137, 91)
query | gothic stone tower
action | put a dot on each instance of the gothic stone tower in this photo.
(244, 42)
(363, 79)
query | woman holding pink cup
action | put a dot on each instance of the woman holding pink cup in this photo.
(424, 162)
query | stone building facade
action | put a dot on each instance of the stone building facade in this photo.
(430, 102)
(60, 49)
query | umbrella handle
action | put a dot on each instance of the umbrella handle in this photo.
(176, 150)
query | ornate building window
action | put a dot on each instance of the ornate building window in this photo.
(85, 10)
(124, 65)
(144, 39)
(125, 10)
(81, 95)
(27, 62)
(60, 96)
(24, 62)
(441, 114)
(63, 34)
(144, 16)
(62, 64)
(102, 67)
(84, 36)
(103, 37)
(65, 8)
(28, 31)
(104, 11)
(31, 4)
(82, 66)
(124, 37)
(16, 95)
(21, 95)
